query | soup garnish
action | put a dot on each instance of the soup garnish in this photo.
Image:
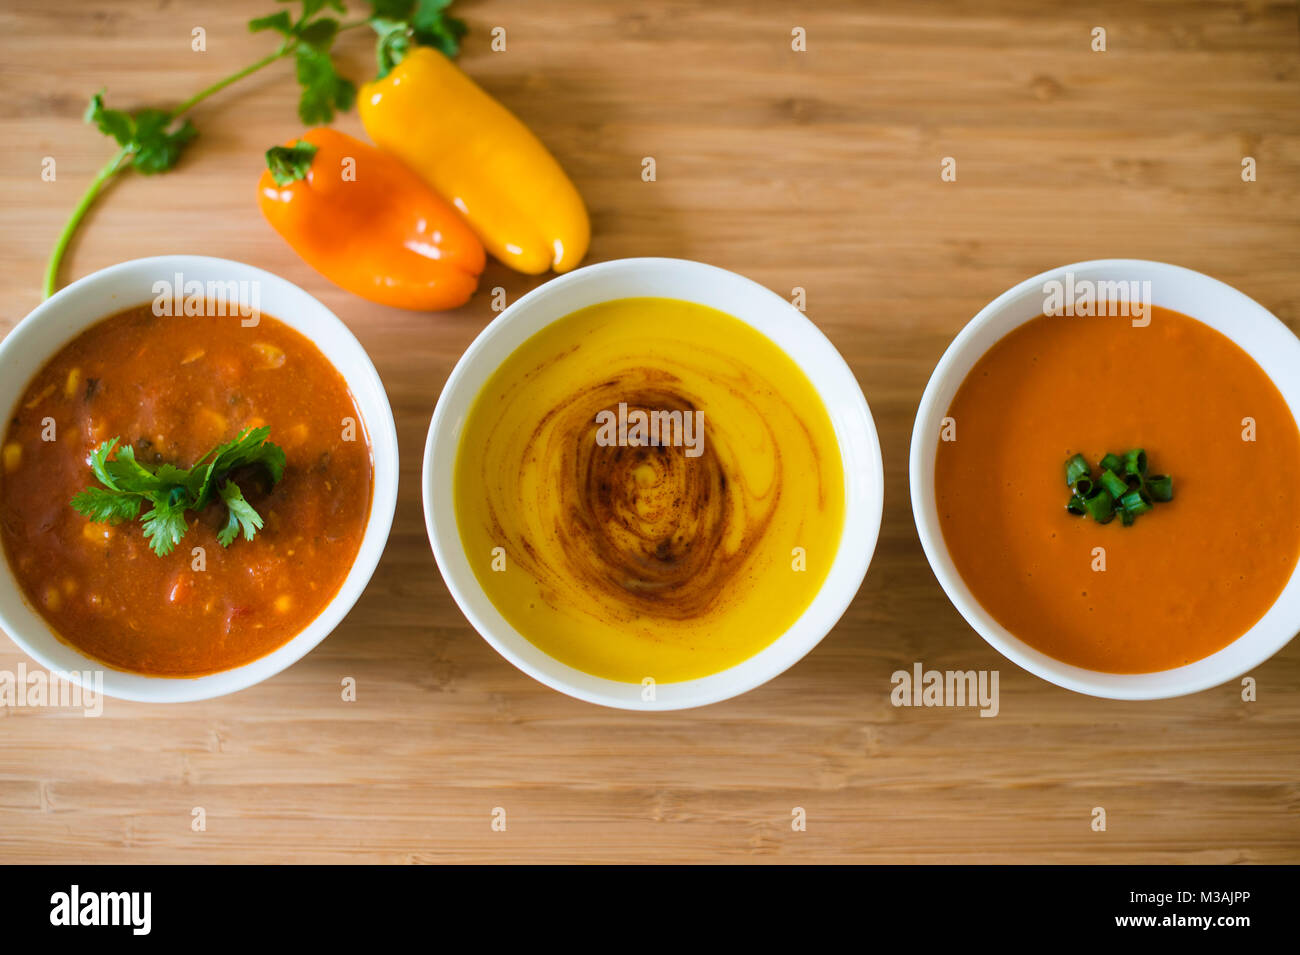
(1112, 495)
(128, 484)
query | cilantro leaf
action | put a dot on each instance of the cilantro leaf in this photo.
(434, 28)
(319, 34)
(252, 448)
(249, 448)
(99, 464)
(391, 9)
(165, 525)
(169, 476)
(110, 122)
(127, 472)
(241, 516)
(280, 22)
(323, 90)
(312, 7)
(146, 134)
(157, 149)
(170, 491)
(103, 506)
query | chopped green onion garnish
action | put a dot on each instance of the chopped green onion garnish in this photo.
(1122, 488)
(1113, 483)
(1135, 503)
(1100, 506)
(1075, 468)
(1160, 487)
(1135, 462)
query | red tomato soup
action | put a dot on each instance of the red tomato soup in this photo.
(1183, 579)
(172, 388)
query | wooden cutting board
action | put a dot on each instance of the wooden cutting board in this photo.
(818, 169)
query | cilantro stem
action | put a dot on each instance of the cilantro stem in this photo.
(124, 155)
(70, 227)
(285, 49)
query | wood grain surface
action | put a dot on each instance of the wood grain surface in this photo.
(818, 169)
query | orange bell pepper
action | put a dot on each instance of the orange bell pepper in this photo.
(473, 151)
(368, 224)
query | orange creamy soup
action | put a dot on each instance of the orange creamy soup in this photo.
(1185, 579)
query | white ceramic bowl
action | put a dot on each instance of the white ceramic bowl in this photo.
(751, 303)
(1270, 343)
(54, 322)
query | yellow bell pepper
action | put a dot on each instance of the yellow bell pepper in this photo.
(476, 154)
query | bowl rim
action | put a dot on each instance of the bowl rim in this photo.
(855, 552)
(377, 421)
(1190, 678)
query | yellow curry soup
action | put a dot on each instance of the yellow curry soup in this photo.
(667, 562)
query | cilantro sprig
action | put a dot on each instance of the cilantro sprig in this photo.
(127, 486)
(309, 39)
(150, 136)
(152, 140)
